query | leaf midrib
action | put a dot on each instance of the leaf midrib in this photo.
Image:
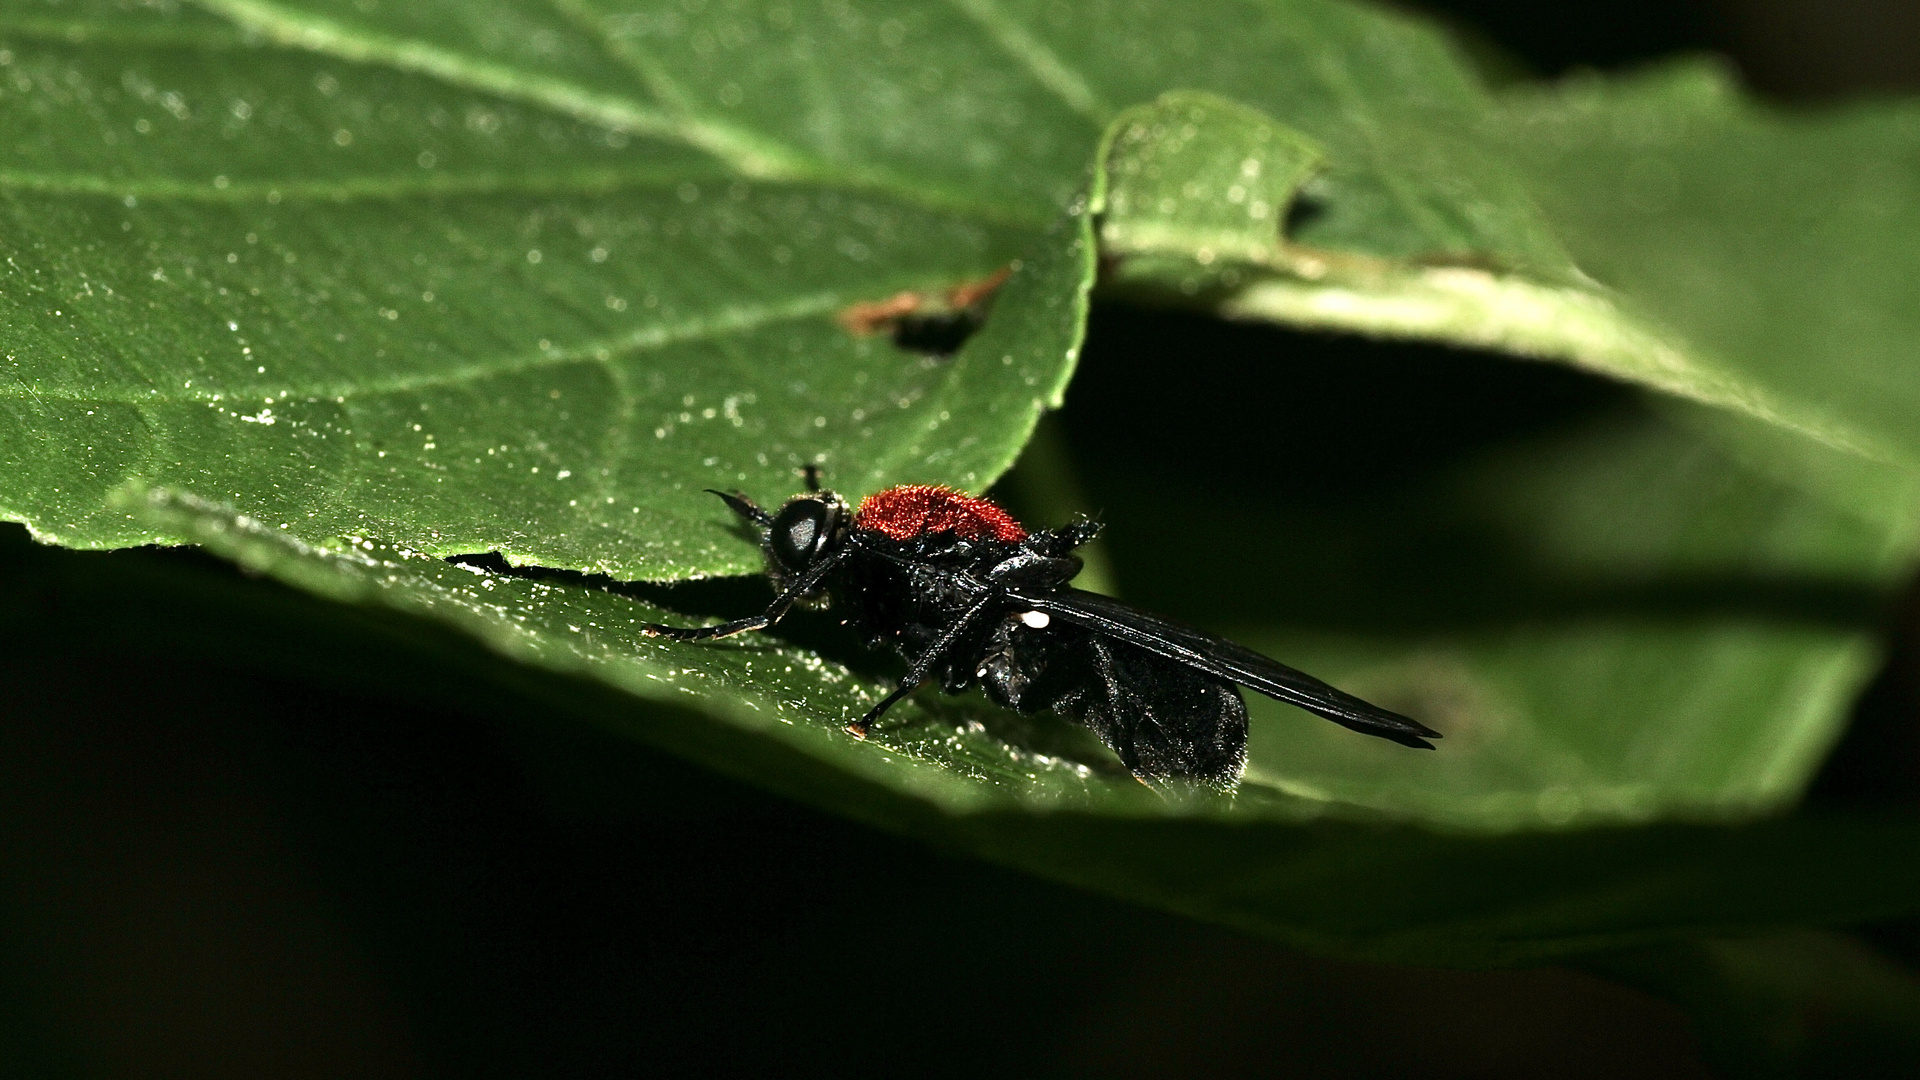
(352, 189)
(1053, 74)
(734, 320)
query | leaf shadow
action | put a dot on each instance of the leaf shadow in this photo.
(1323, 470)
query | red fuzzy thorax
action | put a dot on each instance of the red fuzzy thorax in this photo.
(912, 510)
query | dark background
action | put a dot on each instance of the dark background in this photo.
(246, 833)
(1790, 50)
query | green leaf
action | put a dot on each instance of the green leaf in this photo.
(968, 775)
(347, 297)
(525, 277)
(1696, 662)
(733, 174)
(1665, 290)
(1616, 619)
(1620, 622)
(982, 103)
(1780, 249)
(1200, 175)
(754, 691)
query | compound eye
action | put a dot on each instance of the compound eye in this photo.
(800, 531)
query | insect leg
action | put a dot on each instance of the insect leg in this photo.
(925, 665)
(720, 630)
(858, 729)
(812, 471)
(774, 613)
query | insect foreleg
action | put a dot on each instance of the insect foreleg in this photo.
(776, 611)
(925, 665)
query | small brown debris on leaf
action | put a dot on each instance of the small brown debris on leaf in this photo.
(872, 317)
(973, 293)
(886, 316)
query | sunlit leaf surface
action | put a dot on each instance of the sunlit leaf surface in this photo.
(361, 296)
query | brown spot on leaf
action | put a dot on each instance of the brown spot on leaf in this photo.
(869, 318)
(933, 323)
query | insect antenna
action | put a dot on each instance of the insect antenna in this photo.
(745, 507)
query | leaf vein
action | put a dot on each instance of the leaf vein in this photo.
(589, 181)
(732, 320)
(749, 155)
(1041, 62)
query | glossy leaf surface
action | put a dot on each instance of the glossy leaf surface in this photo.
(349, 296)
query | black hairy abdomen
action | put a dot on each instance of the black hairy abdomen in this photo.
(1161, 717)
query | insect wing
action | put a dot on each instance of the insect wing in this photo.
(1226, 660)
(1165, 719)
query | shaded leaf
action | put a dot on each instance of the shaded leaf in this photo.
(963, 775)
(449, 277)
(1799, 1003)
(1611, 616)
(1686, 637)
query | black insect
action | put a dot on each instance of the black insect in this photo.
(967, 595)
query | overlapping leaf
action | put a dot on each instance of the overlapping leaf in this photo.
(1612, 615)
